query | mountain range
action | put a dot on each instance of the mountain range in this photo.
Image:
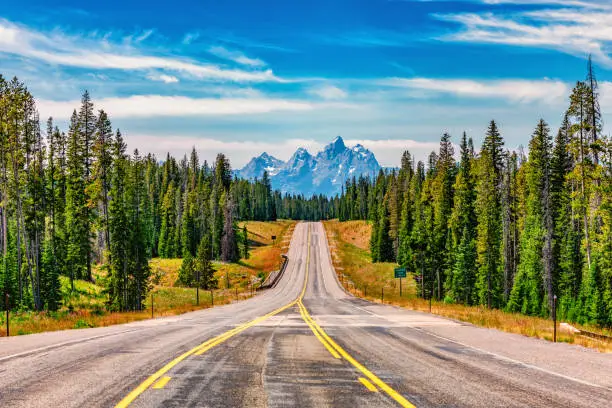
(324, 173)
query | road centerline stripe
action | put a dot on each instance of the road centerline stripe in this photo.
(207, 345)
(368, 384)
(161, 383)
(344, 354)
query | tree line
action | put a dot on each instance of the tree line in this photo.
(71, 200)
(504, 229)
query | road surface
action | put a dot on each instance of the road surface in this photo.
(305, 342)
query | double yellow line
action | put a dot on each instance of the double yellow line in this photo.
(207, 345)
(202, 348)
(334, 349)
(338, 352)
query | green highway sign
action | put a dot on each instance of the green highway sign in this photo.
(400, 272)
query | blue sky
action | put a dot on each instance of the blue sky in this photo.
(244, 77)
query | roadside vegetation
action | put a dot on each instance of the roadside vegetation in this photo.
(86, 305)
(349, 243)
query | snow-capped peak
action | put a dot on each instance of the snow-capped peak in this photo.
(325, 173)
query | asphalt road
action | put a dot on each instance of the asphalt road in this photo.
(305, 342)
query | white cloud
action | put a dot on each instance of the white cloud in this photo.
(564, 3)
(511, 89)
(605, 94)
(239, 152)
(236, 56)
(167, 79)
(570, 3)
(178, 106)
(388, 151)
(60, 49)
(576, 30)
(328, 92)
(190, 37)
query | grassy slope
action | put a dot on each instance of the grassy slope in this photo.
(351, 257)
(85, 307)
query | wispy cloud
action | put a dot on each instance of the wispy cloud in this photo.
(190, 37)
(235, 56)
(366, 38)
(240, 152)
(578, 30)
(570, 3)
(387, 151)
(561, 3)
(207, 146)
(167, 79)
(510, 89)
(328, 92)
(178, 106)
(60, 49)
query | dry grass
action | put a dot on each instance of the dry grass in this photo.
(166, 301)
(354, 232)
(85, 306)
(358, 274)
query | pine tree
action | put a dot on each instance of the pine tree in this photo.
(493, 145)
(488, 277)
(99, 187)
(229, 242)
(567, 236)
(119, 229)
(463, 226)
(187, 274)
(581, 153)
(203, 265)
(384, 243)
(86, 133)
(534, 278)
(77, 225)
(443, 204)
(54, 253)
(166, 247)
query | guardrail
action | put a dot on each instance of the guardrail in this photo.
(274, 276)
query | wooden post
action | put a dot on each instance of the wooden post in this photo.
(6, 299)
(198, 287)
(151, 305)
(554, 315)
(382, 295)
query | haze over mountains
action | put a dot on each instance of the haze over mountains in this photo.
(324, 173)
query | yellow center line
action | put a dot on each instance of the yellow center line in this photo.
(316, 333)
(334, 349)
(207, 345)
(161, 383)
(327, 341)
(368, 385)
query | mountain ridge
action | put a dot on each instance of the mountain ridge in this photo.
(323, 173)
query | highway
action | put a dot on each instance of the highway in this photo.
(304, 343)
